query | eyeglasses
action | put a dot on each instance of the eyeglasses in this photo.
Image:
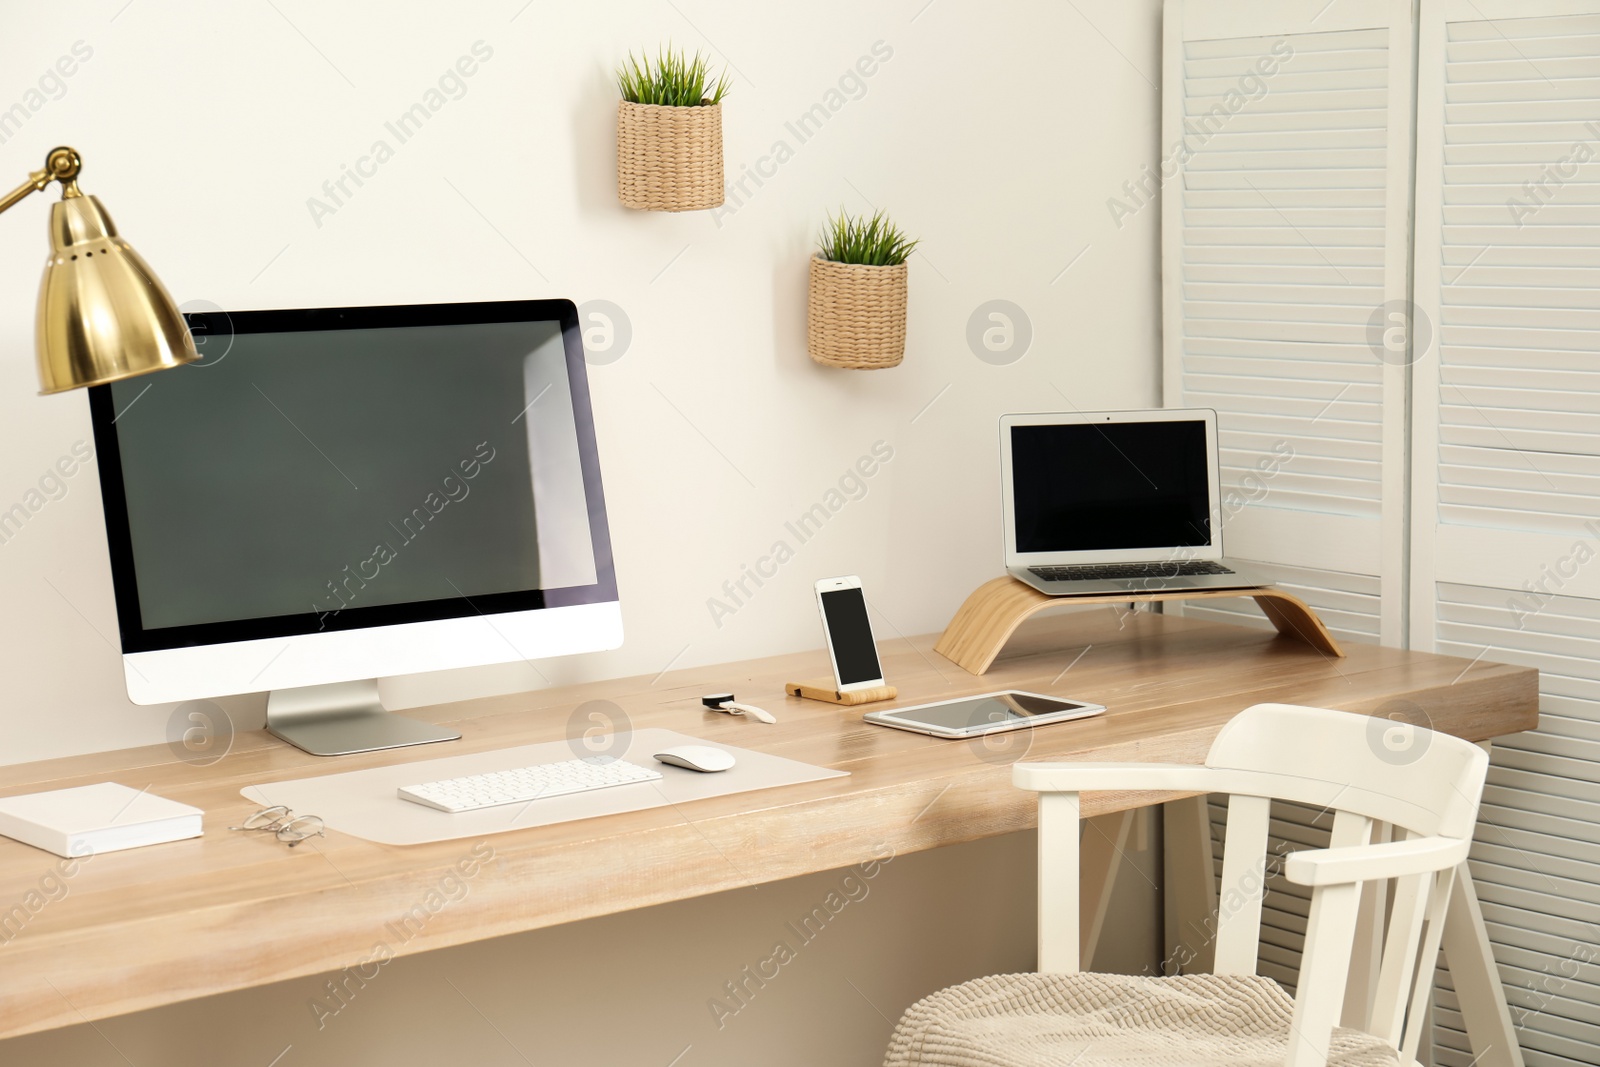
(288, 827)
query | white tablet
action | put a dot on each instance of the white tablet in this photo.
(985, 714)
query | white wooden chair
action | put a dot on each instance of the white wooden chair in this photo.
(1424, 812)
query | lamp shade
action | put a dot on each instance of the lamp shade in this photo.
(103, 315)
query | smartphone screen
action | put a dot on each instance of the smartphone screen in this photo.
(854, 652)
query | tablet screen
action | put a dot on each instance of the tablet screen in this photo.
(986, 711)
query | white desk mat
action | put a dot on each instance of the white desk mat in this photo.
(363, 803)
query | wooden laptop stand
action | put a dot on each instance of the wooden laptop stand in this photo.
(988, 618)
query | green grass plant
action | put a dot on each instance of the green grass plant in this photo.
(673, 80)
(875, 242)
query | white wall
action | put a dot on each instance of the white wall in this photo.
(995, 132)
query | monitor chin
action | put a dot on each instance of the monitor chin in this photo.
(294, 662)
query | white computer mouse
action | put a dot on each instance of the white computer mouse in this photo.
(696, 758)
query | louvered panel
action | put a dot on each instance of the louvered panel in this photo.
(1334, 259)
(1506, 413)
(1297, 138)
(1334, 293)
(1539, 507)
(1519, 402)
(1458, 1056)
(1250, 369)
(1508, 64)
(1305, 468)
(1545, 226)
(1249, 48)
(1555, 728)
(1563, 473)
(1576, 760)
(1312, 352)
(1244, 384)
(1329, 97)
(1520, 30)
(1285, 159)
(1519, 323)
(1543, 1044)
(1505, 857)
(1228, 66)
(1479, 606)
(1529, 990)
(1498, 193)
(1533, 48)
(1513, 926)
(1527, 383)
(1466, 359)
(1536, 853)
(1269, 180)
(1259, 273)
(1283, 239)
(1530, 946)
(1550, 1040)
(1283, 235)
(1277, 330)
(1505, 237)
(1487, 468)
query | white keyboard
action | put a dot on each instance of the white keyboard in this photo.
(522, 784)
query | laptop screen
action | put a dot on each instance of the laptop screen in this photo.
(1090, 487)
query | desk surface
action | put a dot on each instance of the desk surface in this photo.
(134, 930)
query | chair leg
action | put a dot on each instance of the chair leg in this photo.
(1467, 953)
(1059, 883)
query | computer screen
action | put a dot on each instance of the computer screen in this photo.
(342, 469)
(1096, 486)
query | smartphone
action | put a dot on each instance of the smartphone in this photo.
(848, 634)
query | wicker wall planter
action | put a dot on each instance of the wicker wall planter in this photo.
(669, 158)
(856, 315)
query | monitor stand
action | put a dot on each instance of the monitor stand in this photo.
(344, 718)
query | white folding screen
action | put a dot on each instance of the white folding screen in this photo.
(1285, 231)
(1506, 470)
(1438, 436)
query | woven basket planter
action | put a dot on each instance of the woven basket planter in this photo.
(669, 158)
(856, 315)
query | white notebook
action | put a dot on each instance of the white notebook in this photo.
(89, 819)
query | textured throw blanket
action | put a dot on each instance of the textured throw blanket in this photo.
(1090, 1020)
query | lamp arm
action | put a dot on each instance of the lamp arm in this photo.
(61, 165)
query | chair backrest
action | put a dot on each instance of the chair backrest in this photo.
(1384, 780)
(1387, 769)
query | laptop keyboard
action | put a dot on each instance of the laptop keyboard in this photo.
(1188, 568)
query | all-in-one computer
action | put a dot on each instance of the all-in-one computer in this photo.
(335, 495)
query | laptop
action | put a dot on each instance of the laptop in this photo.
(1116, 502)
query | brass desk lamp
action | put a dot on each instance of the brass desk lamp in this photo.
(103, 315)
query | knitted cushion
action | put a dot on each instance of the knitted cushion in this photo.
(1088, 1020)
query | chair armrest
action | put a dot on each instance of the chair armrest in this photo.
(1361, 863)
(1119, 777)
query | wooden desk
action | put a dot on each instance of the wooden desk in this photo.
(138, 929)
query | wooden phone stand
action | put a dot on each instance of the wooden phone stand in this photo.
(823, 689)
(988, 618)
